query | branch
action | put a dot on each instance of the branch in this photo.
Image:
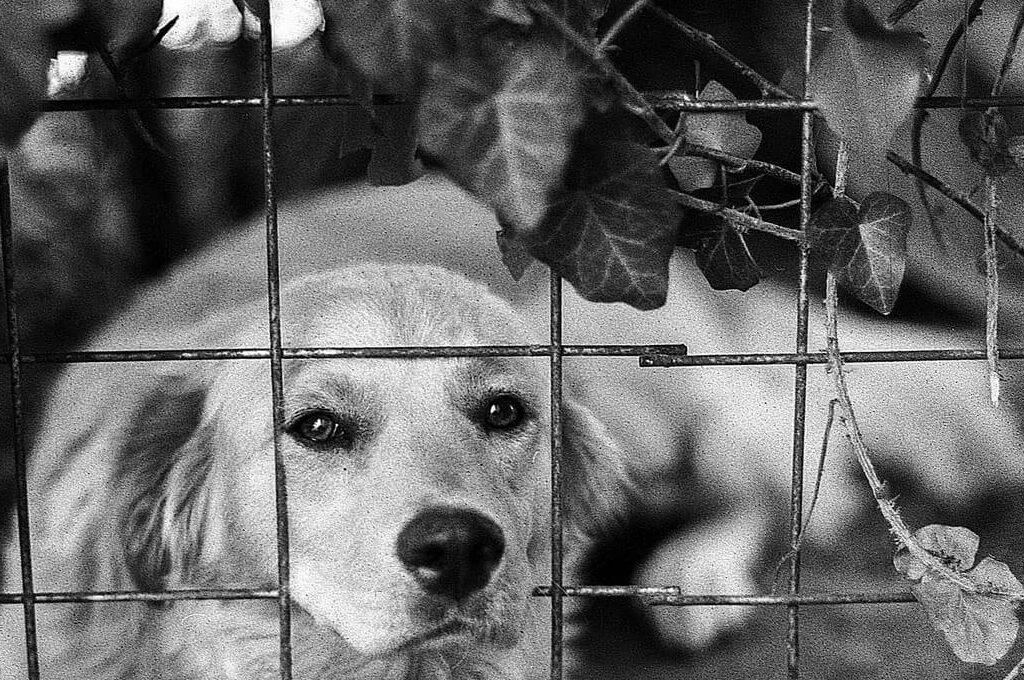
(952, 194)
(1011, 48)
(992, 291)
(631, 97)
(920, 114)
(739, 219)
(901, 10)
(740, 163)
(703, 39)
(620, 24)
(902, 532)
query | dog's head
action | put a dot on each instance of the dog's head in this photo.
(417, 489)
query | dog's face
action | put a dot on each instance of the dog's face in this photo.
(417, 489)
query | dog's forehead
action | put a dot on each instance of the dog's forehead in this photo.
(388, 306)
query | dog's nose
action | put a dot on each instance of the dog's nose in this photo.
(451, 551)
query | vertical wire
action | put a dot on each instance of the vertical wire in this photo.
(274, 309)
(20, 469)
(800, 380)
(557, 622)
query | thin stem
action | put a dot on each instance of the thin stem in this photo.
(1011, 49)
(901, 10)
(917, 127)
(992, 291)
(957, 197)
(904, 536)
(740, 163)
(737, 218)
(630, 95)
(620, 24)
(703, 39)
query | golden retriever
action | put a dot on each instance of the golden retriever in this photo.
(417, 492)
(159, 474)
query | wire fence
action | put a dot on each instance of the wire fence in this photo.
(275, 354)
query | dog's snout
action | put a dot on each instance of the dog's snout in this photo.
(451, 552)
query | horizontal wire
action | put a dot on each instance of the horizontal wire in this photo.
(673, 596)
(135, 596)
(650, 356)
(655, 596)
(670, 100)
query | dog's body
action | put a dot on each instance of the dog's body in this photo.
(117, 463)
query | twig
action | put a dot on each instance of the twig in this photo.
(739, 219)
(620, 24)
(920, 115)
(830, 420)
(779, 206)
(901, 10)
(703, 39)
(903, 534)
(631, 97)
(122, 94)
(740, 163)
(1011, 49)
(992, 291)
(957, 197)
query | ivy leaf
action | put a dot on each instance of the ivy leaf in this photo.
(987, 137)
(725, 259)
(515, 256)
(507, 132)
(611, 230)
(976, 612)
(866, 248)
(866, 79)
(728, 132)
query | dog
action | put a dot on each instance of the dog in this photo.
(417, 492)
(730, 427)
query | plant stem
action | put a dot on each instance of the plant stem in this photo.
(629, 94)
(620, 24)
(740, 163)
(904, 536)
(1011, 49)
(703, 39)
(992, 291)
(957, 197)
(917, 126)
(901, 10)
(739, 219)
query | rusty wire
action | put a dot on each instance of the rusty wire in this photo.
(555, 351)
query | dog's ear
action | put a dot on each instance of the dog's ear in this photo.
(598, 488)
(163, 464)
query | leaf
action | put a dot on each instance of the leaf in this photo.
(866, 79)
(611, 230)
(725, 259)
(832, 231)
(977, 611)
(987, 137)
(514, 255)
(728, 132)
(505, 133)
(867, 249)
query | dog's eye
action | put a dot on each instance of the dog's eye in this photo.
(319, 427)
(503, 412)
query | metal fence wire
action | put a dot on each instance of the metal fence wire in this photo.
(648, 356)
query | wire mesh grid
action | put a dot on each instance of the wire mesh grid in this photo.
(275, 354)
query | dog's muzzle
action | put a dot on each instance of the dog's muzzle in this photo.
(451, 552)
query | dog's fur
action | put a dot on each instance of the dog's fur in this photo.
(111, 510)
(161, 476)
